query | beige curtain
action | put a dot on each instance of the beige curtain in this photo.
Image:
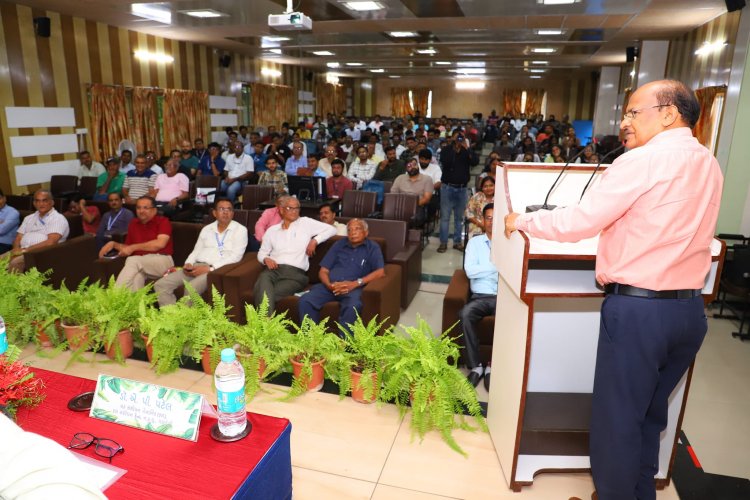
(534, 99)
(330, 98)
(145, 120)
(185, 117)
(272, 104)
(512, 101)
(109, 120)
(419, 97)
(400, 106)
(706, 97)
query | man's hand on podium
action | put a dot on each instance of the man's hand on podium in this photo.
(510, 223)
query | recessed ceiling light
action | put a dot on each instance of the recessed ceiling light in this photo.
(270, 72)
(470, 64)
(363, 6)
(394, 76)
(377, 70)
(426, 51)
(469, 71)
(548, 32)
(465, 76)
(443, 63)
(153, 11)
(535, 76)
(333, 64)
(537, 70)
(402, 34)
(323, 53)
(540, 62)
(354, 64)
(204, 13)
(543, 50)
(556, 2)
(275, 38)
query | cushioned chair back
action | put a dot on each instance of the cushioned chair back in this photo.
(737, 271)
(87, 187)
(254, 195)
(387, 185)
(399, 206)
(63, 185)
(20, 202)
(208, 181)
(184, 237)
(393, 232)
(359, 204)
(75, 223)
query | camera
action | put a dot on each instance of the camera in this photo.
(460, 138)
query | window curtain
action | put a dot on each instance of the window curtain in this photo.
(272, 104)
(109, 120)
(145, 120)
(534, 99)
(185, 117)
(706, 97)
(400, 106)
(512, 101)
(330, 99)
(420, 97)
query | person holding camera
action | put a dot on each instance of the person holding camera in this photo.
(456, 161)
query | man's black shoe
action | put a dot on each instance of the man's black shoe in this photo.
(487, 381)
(474, 378)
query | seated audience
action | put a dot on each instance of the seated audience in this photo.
(171, 188)
(269, 217)
(239, 168)
(220, 243)
(476, 204)
(296, 161)
(346, 268)
(115, 221)
(390, 168)
(89, 167)
(362, 169)
(414, 182)
(147, 247)
(284, 252)
(273, 176)
(430, 167)
(90, 215)
(151, 163)
(188, 160)
(110, 181)
(555, 155)
(126, 161)
(211, 163)
(9, 221)
(483, 278)
(43, 228)
(259, 158)
(138, 182)
(328, 216)
(325, 163)
(337, 184)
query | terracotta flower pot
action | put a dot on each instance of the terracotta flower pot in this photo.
(315, 383)
(125, 341)
(42, 337)
(77, 336)
(206, 361)
(358, 394)
(149, 348)
(243, 354)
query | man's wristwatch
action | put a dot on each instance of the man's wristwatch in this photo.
(360, 282)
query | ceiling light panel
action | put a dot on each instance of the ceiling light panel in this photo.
(158, 12)
(443, 63)
(204, 13)
(548, 32)
(377, 70)
(363, 6)
(556, 2)
(426, 51)
(333, 64)
(323, 53)
(543, 50)
(402, 34)
(353, 64)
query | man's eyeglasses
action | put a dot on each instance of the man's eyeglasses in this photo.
(103, 447)
(224, 209)
(630, 115)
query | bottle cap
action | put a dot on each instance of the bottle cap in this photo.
(228, 355)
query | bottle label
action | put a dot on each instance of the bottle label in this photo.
(231, 402)
(3, 341)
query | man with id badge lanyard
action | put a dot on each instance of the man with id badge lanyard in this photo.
(220, 243)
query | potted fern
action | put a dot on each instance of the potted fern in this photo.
(118, 312)
(26, 304)
(425, 371)
(257, 344)
(367, 355)
(213, 330)
(75, 310)
(167, 331)
(312, 352)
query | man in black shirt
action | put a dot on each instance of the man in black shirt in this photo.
(456, 161)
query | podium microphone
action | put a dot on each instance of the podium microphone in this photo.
(545, 206)
(622, 146)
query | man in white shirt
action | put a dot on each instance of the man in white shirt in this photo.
(362, 169)
(285, 250)
(220, 243)
(89, 167)
(375, 124)
(353, 132)
(238, 168)
(151, 163)
(43, 228)
(126, 161)
(430, 167)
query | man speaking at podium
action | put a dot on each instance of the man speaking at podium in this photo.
(655, 211)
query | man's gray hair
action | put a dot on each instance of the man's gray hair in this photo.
(42, 190)
(361, 221)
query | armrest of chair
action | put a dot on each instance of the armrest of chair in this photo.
(414, 236)
(237, 281)
(410, 260)
(216, 277)
(106, 268)
(455, 299)
(382, 297)
(69, 260)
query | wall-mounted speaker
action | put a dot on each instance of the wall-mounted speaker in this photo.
(631, 53)
(733, 5)
(42, 26)
(225, 60)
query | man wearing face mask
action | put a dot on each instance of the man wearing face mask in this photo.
(414, 182)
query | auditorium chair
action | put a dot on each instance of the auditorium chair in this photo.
(253, 195)
(87, 187)
(359, 204)
(400, 206)
(63, 186)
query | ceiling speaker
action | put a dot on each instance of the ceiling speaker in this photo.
(225, 60)
(42, 26)
(733, 5)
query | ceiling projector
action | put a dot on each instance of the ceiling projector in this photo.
(289, 21)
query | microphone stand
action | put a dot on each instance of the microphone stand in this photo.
(545, 206)
(597, 168)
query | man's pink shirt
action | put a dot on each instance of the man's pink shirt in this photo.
(269, 217)
(655, 208)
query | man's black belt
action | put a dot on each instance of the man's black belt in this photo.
(634, 291)
(455, 185)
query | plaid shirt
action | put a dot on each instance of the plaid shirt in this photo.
(276, 179)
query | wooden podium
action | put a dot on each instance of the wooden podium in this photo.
(546, 333)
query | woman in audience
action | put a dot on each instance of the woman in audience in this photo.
(555, 155)
(473, 214)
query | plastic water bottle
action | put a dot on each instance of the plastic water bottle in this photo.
(3, 337)
(230, 394)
